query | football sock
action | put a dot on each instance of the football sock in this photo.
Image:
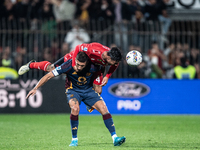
(113, 137)
(74, 139)
(108, 121)
(74, 125)
(39, 65)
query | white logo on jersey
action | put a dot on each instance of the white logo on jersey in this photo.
(98, 79)
(95, 51)
(92, 59)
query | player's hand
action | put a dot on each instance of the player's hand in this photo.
(31, 93)
(104, 81)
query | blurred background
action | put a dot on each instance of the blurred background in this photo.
(162, 30)
(166, 32)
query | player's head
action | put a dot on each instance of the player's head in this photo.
(115, 56)
(81, 61)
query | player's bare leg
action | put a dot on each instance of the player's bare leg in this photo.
(101, 107)
(108, 121)
(74, 105)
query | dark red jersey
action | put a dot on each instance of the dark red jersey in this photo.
(94, 52)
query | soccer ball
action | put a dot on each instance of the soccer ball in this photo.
(133, 58)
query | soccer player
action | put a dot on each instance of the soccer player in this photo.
(81, 90)
(98, 54)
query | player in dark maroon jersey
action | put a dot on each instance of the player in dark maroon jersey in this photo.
(98, 54)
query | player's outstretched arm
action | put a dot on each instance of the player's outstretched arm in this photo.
(40, 83)
(111, 70)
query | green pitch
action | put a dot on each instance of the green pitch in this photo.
(52, 132)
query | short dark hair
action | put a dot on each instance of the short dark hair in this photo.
(115, 54)
(82, 57)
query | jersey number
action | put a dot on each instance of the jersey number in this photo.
(98, 79)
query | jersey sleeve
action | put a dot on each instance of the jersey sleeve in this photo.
(64, 68)
(111, 70)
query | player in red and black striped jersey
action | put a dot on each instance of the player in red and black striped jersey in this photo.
(98, 54)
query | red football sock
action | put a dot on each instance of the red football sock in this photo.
(39, 65)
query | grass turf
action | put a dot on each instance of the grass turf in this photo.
(50, 131)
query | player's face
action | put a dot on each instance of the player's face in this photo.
(112, 62)
(80, 65)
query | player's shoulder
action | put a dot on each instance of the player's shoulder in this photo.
(67, 64)
(95, 44)
(84, 47)
(88, 47)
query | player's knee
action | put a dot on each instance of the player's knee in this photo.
(75, 110)
(103, 109)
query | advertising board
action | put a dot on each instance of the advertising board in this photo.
(50, 98)
(184, 4)
(122, 96)
(130, 96)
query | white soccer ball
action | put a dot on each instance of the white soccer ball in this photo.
(133, 58)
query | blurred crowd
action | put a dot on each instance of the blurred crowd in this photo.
(84, 10)
(92, 15)
(67, 23)
(161, 63)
